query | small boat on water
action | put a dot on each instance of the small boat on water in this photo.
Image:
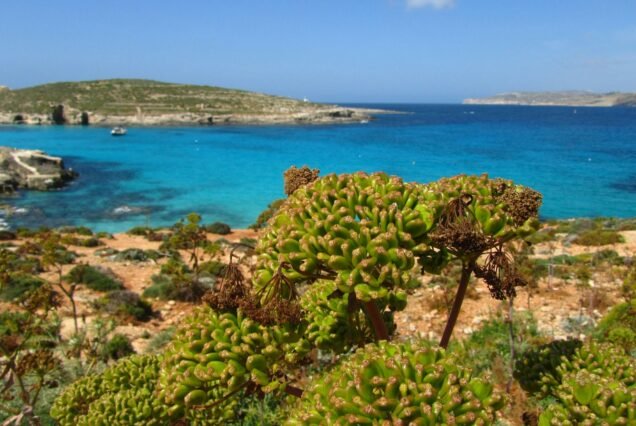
(118, 131)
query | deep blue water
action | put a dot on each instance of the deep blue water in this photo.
(583, 160)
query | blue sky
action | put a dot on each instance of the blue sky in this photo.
(327, 50)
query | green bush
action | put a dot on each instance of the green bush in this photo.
(491, 341)
(629, 284)
(141, 231)
(19, 285)
(117, 347)
(79, 230)
(125, 304)
(544, 359)
(619, 325)
(598, 237)
(94, 278)
(218, 228)
(267, 214)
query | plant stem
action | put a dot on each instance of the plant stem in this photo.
(467, 269)
(511, 339)
(379, 327)
(294, 391)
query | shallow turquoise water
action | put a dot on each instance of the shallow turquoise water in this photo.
(584, 162)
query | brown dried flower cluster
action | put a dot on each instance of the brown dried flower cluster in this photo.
(457, 231)
(226, 297)
(267, 309)
(297, 177)
(523, 203)
(500, 275)
(41, 361)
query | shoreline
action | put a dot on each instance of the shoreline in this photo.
(316, 116)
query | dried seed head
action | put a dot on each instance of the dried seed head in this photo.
(500, 275)
(523, 203)
(297, 177)
(231, 290)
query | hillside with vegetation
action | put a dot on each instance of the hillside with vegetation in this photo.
(358, 299)
(130, 101)
(563, 98)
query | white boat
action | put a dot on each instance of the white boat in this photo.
(118, 131)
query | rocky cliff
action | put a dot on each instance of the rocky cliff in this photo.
(31, 169)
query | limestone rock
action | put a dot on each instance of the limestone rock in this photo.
(31, 169)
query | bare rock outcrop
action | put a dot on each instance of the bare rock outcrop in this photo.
(31, 169)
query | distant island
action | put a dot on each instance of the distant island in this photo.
(153, 103)
(563, 98)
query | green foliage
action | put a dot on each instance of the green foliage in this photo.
(267, 214)
(598, 237)
(124, 304)
(254, 411)
(597, 385)
(160, 340)
(122, 395)
(399, 383)
(141, 231)
(94, 278)
(544, 359)
(629, 284)
(619, 325)
(117, 347)
(18, 285)
(491, 341)
(218, 228)
(79, 230)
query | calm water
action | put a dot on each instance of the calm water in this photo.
(583, 160)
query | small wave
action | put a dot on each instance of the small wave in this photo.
(129, 210)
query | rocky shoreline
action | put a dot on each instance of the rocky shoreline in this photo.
(313, 115)
(31, 169)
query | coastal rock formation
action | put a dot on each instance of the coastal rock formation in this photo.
(31, 169)
(564, 98)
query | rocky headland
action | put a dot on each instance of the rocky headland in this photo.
(31, 169)
(562, 98)
(152, 103)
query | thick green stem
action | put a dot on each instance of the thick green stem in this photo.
(467, 269)
(381, 332)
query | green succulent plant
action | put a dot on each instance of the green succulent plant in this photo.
(331, 324)
(399, 383)
(214, 357)
(367, 233)
(123, 394)
(596, 385)
(586, 398)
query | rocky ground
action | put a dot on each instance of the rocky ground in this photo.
(561, 307)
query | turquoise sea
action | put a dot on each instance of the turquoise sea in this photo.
(582, 159)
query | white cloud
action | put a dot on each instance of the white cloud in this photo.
(435, 4)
